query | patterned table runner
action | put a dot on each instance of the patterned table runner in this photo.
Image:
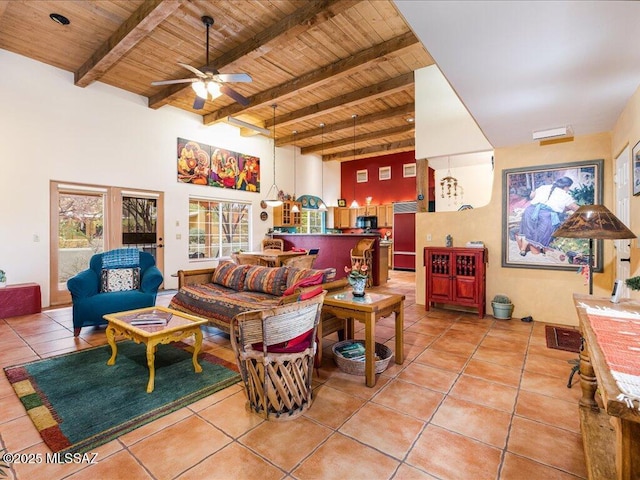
(618, 335)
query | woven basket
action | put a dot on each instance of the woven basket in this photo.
(355, 367)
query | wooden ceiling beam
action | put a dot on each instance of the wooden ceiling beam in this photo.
(368, 93)
(407, 109)
(140, 24)
(311, 13)
(315, 78)
(371, 151)
(389, 132)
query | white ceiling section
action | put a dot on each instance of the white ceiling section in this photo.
(443, 125)
(521, 66)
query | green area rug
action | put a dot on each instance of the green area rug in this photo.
(77, 402)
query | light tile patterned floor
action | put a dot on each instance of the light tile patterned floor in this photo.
(475, 399)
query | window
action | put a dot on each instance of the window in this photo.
(409, 170)
(217, 228)
(311, 221)
(384, 173)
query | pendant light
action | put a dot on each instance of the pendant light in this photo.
(295, 208)
(322, 207)
(272, 199)
(354, 204)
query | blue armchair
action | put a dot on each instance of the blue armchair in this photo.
(90, 303)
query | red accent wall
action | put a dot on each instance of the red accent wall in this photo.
(398, 189)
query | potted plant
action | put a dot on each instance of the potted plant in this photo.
(3, 279)
(633, 283)
(502, 307)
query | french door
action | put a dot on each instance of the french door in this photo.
(88, 219)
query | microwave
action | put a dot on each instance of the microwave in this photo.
(367, 222)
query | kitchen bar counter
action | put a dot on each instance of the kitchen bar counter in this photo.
(334, 250)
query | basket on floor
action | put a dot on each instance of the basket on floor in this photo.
(357, 367)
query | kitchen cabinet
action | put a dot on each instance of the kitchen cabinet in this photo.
(385, 215)
(341, 217)
(284, 217)
(456, 276)
(367, 210)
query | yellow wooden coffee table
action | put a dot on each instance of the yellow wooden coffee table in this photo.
(153, 326)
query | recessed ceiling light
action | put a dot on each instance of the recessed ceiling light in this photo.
(61, 19)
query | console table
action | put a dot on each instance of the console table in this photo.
(20, 299)
(607, 339)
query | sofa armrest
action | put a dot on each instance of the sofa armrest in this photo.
(195, 277)
(151, 280)
(84, 284)
(335, 285)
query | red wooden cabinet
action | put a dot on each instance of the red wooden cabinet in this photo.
(456, 276)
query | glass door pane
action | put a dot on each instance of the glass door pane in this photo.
(80, 234)
(139, 224)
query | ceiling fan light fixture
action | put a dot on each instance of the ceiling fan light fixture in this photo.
(214, 89)
(200, 88)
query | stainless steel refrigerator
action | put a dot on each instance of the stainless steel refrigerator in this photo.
(404, 235)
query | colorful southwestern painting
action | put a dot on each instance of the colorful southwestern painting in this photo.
(202, 164)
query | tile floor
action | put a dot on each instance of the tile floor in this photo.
(475, 399)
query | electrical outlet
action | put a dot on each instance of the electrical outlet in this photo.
(36, 237)
(428, 237)
(178, 236)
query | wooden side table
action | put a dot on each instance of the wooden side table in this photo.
(368, 310)
(20, 299)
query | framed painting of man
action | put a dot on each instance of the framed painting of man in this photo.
(536, 200)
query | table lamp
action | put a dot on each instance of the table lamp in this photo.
(593, 221)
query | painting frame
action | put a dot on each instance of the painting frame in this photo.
(561, 253)
(635, 169)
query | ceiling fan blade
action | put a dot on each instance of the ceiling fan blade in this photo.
(171, 82)
(193, 69)
(235, 95)
(233, 77)
(198, 103)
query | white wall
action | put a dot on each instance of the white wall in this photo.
(476, 182)
(53, 130)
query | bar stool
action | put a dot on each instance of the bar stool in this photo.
(362, 253)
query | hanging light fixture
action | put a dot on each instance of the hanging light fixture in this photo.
(450, 185)
(322, 207)
(295, 208)
(354, 204)
(273, 200)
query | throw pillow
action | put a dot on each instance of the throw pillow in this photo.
(266, 279)
(230, 275)
(119, 279)
(305, 282)
(121, 258)
(310, 293)
(297, 274)
(295, 345)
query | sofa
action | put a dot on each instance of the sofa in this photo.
(219, 294)
(103, 289)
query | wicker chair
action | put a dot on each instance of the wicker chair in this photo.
(273, 244)
(275, 370)
(301, 261)
(362, 253)
(241, 259)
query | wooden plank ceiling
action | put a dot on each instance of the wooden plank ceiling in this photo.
(319, 61)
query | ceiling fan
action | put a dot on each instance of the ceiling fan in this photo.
(209, 81)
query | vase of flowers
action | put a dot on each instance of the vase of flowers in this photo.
(357, 277)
